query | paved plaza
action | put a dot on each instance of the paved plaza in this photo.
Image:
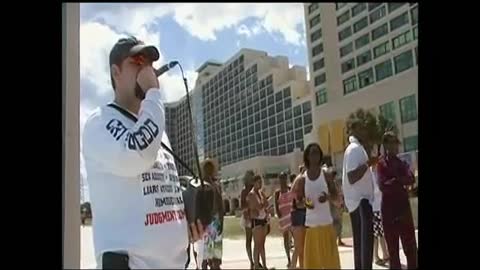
(234, 255)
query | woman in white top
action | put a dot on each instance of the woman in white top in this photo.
(258, 203)
(321, 250)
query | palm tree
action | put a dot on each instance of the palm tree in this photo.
(376, 127)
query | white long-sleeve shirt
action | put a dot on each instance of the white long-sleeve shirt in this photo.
(135, 194)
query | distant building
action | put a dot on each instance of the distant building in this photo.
(251, 112)
(362, 55)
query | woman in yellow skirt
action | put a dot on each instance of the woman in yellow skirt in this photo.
(321, 250)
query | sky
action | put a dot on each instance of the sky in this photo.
(190, 33)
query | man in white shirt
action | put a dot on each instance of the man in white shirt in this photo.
(358, 194)
(139, 217)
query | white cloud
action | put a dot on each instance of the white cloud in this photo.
(257, 28)
(203, 20)
(243, 30)
(238, 44)
(172, 84)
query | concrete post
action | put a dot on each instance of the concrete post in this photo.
(71, 132)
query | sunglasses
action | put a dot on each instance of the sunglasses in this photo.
(139, 59)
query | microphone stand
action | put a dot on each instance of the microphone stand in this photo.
(194, 134)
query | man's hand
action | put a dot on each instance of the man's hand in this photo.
(147, 79)
(195, 231)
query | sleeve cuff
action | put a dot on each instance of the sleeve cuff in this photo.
(155, 94)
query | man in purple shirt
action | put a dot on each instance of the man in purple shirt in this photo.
(394, 176)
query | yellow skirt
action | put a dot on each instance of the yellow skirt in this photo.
(321, 250)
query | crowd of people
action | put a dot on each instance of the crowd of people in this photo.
(373, 190)
(140, 216)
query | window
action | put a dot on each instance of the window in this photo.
(271, 110)
(414, 15)
(264, 122)
(307, 107)
(317, 50)
(394, 5)
(307, 119)
(298, 122)
(358, 8)
(286, 92)
(251, 139)
(320, 79)
(312, 7)
(410, 143)
(297, 110)
(317, 65)
(415, 32)
(299, 144)
(348, 65)
(289, 125)
(416, 55)
(299, 134)
(343, 18)
(272, 132)
(321, 96)
(381, 49)
(281, 140)
(346, 49)
(372, 6)
(378, 14)
(278, 96)
(290, 137)
(287, 103)
(384, 70)
(280, 117)
(316, 35)
(364, 58)
(399, 21)
(314, 21)
(366, 77)
(362, 41)
(271, 121)
(280, 128)
(408, 109)
(402, 39)
(265, 145)
(290, 147)
(340, 5)
(270, 90)
(360, 25)
(380, 31)
(387, 110)
(263, 103)
(265, 134)
(350, 85)
(288, 114)
(345, 33)
(403, 61)
(279, 107)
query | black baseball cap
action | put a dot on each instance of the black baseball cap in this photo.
(131, 46)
